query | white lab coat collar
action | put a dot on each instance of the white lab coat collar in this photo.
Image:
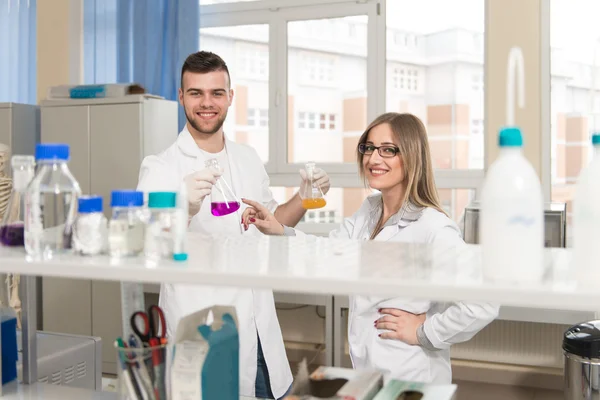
(401, 218)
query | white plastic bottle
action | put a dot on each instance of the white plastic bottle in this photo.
(586, 220)
(511, 229)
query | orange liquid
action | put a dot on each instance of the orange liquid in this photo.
(311, 204)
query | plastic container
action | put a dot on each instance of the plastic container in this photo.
(12, 229)
(512, 215)
(127, 224)
(586, 220)
(51, 203)
(142, 372)
(161, 225)
(90, 234)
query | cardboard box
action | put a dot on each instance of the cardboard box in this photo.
(399, 390)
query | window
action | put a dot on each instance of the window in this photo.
(327, 85)
(245, 49)
(258, 117)
(318, 69)
(435, 75)
(575, 98)
(317, 121)
(253, 61)
(328, 59)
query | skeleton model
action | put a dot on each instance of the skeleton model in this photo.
(12, 280)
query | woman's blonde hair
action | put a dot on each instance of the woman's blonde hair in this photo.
(411, 136)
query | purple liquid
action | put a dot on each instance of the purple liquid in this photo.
(12, 235)
(221, 209)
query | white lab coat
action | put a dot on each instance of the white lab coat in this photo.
(255, 308)
(446, 323)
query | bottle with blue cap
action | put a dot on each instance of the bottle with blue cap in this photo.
(127, 224)
(511, 229)
(90, 234)
(52, 199)
(586, 220)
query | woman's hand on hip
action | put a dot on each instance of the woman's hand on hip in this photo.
(399, 325)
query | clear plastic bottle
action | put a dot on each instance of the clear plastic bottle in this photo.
(222, 199)
(586, 221)
(313, 196)
(12, 230)
(512, 215)
(51, 203)
(127, 224)
(161, 225)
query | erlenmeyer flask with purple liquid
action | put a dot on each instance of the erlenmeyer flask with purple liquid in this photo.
(222, 200)
(12, 229)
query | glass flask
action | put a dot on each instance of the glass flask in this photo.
(222, 200)
(51, 203)
(12, 230)
(313, 196)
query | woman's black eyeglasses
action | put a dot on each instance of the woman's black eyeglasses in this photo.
(386, 151)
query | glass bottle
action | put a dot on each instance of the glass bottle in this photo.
(127, 226)
(12, 230)
(313, 196)
(159, 230)
(222, 200)
(50, 203)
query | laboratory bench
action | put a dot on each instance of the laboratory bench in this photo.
(303, 265)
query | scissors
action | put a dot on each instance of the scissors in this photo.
(153, 325)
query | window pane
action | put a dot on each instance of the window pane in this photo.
(326, 77)
(430, 63)
(575, 72)
(245, 49)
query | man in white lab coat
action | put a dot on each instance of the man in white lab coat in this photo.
(206, 95)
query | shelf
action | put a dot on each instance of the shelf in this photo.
(54, 392)
(324, 266)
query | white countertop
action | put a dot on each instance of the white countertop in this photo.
(324, 266)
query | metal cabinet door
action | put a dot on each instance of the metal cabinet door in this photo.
(67, 302)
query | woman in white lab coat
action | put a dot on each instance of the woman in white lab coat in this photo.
(403, 338)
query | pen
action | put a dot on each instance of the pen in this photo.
(141, 371)
(132, 388)
(158, 360)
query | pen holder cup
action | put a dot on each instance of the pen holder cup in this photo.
(142, 372)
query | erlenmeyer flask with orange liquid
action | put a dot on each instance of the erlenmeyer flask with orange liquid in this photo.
(313, 196)
(222, 200)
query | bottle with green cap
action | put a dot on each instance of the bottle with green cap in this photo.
(159, 231)
(511, 226)
(586, 220)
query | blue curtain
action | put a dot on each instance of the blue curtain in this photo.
(18, 74)
(142, 41)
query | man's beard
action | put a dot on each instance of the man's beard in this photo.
(197, 127)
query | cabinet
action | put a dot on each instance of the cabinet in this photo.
(108, 139)
(19, 127)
